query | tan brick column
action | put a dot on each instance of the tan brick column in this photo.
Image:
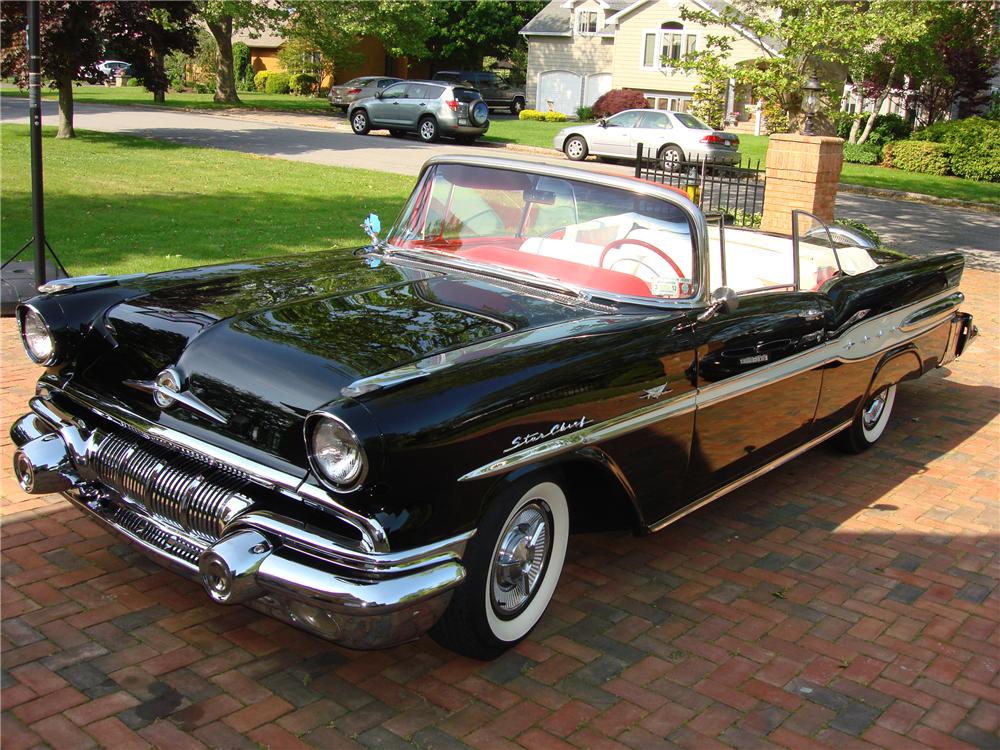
(803, 172)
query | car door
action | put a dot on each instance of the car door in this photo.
(654, 130)
(757, 385)
(415, 102)
(385, 111)
(489, 89)
(614, 137)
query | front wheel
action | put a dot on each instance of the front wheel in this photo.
(428, 130)
(575, 148)
(516, 106)
(359, 122)
(512, 564)
(870, 423)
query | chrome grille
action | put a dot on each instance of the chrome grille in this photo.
(182, 490)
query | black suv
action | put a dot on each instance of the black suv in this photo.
(496, 92)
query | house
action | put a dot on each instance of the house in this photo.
(578, 49)
(264, 49)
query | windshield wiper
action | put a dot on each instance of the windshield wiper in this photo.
(549, 283)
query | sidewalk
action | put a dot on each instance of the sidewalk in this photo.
(838, 602)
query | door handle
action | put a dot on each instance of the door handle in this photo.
(811, 314)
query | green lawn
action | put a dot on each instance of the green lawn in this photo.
(139, 95)
(120, 204)
(524, 132)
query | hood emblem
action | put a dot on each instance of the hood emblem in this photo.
(167, 391)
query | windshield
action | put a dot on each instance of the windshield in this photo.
(690, 121)
(601, 238)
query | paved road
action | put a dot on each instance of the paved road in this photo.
(911, 227)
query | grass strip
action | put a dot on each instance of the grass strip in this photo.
(122, 204)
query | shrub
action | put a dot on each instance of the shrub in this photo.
(302, 83)
(205, 88)
(616, 100)
(776, 118)
(260, 79)
(863, 154)
(531, 114)
(277, 83)
(555, 117)
(888, 128)
(132, 82)
(974, 144)
(585, 113)
(917, 156)
(176, 64)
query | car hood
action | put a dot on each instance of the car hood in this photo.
(264, 343)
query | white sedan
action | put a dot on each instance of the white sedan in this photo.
(672, 136)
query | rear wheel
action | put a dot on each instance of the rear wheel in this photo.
(670, 158)
(360, 123)
(575, 148)
(516, 106)
(427, 129)
(512, 568)
(870, 423)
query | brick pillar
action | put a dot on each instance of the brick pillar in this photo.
(803, 172)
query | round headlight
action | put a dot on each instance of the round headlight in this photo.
(337, 454)
(36, 337)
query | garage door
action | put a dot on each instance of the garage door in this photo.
(561, 88)
(597, 84)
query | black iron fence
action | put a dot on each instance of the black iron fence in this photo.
(735, 190)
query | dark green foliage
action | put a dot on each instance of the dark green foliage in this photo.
(617, 100)
(888, 128)
(862, 228)
(863, 154)
(302, 83)
(277, 83)
(917, 156)
(241, 60)
(585, 113)
(132, 82)
(974, 145)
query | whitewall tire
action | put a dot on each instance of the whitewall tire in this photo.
(870, 422)
(513, 565)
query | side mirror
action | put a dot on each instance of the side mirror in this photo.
(602, 123)
(723, 300)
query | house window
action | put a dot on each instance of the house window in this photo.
(586, 22)
(672, 43)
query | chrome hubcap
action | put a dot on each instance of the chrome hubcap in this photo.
(873, 411)
(359, 122)
(427, 129)
(520, 560)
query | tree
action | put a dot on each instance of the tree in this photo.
(71, 44)
(334, 29)
(144, 33)
(221, 17)
(469, 31)
(797, 37)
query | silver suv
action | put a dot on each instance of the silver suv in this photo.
(430, 109)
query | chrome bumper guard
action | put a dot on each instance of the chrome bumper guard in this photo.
(310, 578)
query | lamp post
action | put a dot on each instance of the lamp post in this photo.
(810, 102)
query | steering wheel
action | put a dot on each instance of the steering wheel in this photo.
(627, 241)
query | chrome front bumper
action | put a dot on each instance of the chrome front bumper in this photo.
(241, 552)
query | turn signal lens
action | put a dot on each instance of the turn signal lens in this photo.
(36, 337)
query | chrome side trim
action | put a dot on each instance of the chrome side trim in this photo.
(703, 501)
(374, 538)
(931, 313)
(591, 435)
(84, 282)
(865, 339)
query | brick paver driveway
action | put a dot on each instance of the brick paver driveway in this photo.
(838, 602)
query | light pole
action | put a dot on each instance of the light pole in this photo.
(810, 102)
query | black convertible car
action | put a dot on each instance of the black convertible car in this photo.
(375, 443)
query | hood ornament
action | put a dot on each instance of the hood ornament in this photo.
(166, 390)
(372, 226)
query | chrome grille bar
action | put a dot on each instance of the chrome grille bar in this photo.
(184, 492)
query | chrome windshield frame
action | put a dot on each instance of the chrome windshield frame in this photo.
(696, 221)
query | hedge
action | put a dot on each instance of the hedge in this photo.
(260, 79)
(974, 144)
(863, 154)
(917, 156)
(302, 83)
(277, 83)
(531, 114)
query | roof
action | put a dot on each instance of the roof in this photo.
(265, 39)
(556, 18)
